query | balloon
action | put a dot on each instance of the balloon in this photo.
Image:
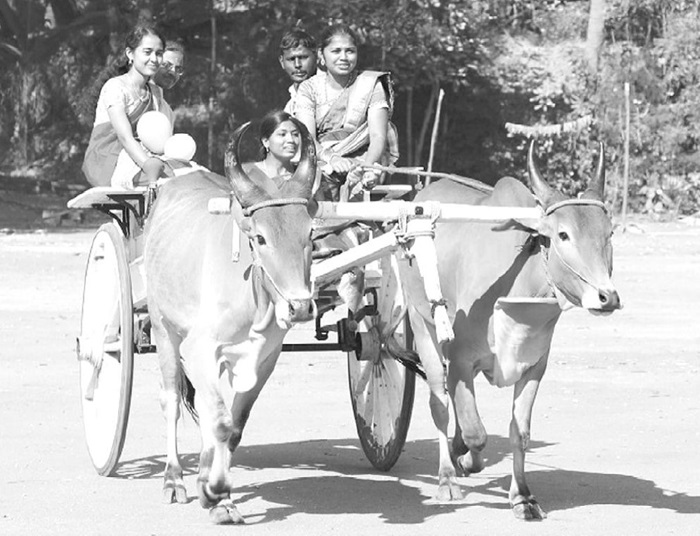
(153, 129)
(180, 147)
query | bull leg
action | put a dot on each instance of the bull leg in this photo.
(170, 402)
(243, 402)
(428, 349)
(351, 286)
(470, 435)
(221, 430)
(214, 481)
(522, 501)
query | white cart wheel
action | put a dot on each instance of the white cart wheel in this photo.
(381, 388)
(106, 348)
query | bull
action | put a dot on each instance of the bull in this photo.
(219, 325)
(505, 288)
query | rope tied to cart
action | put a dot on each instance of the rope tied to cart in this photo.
(416, 233)
(414, 222)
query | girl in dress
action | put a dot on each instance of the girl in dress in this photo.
(114, 156)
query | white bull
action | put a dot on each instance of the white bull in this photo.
(504, 288)
(220, 324)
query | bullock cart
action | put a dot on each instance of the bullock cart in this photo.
(115, 325)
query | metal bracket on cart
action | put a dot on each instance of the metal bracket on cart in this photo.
(120, 205)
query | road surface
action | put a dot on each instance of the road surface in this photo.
(616, 427)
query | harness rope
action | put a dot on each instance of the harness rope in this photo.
(579, 202)
(275, 203)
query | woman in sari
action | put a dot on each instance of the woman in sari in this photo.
(114, 155)
(280, 139)
(349, 112)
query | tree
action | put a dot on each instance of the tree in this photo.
(595, 35)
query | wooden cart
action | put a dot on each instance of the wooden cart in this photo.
(114, 321)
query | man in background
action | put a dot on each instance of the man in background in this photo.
(298, 59)
(170, 70)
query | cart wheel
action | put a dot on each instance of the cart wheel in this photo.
(106, 348)
(381, 388)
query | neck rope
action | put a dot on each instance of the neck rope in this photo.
(275, 203)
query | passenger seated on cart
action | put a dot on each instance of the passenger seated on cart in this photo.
(280, 139)
(114, 155)
(347, 111)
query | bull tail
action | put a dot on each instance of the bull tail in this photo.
(187, 395)
(408, 358)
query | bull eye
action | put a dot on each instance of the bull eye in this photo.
(260, 239)
(563, 236)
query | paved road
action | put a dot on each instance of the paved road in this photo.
(616, 431)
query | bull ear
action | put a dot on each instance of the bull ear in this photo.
(302, 182)
(312, 207)
(596, 188)
(540, 226)
(543, 192)
(246, 191)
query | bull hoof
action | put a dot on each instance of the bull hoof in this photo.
(207, 498)
(173, 486)
(174, 492)
(449, 490)
(528, 510)
(226, 513)
(469, 464)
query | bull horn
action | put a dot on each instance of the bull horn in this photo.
(596, 188)
(244, 188)
(543, 191)
(302, 182)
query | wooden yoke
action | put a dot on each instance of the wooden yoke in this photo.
(415, 233)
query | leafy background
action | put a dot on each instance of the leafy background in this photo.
(498, 61)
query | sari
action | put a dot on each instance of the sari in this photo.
(342, 126)
(104, 149)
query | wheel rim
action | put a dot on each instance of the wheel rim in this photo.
(381, 388)
(106, 315)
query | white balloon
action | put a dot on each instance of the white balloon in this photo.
(154, 129)
(180, 147)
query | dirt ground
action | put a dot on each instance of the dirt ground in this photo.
(616, 427)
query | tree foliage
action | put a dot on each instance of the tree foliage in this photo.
(499, 61)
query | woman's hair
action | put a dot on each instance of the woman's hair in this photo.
(337, 29)
(133, 40)
(119, 66)
(269, 124)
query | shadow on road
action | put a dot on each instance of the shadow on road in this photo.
(352, 489)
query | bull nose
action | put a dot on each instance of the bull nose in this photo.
(609, 299)
(302, 310)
